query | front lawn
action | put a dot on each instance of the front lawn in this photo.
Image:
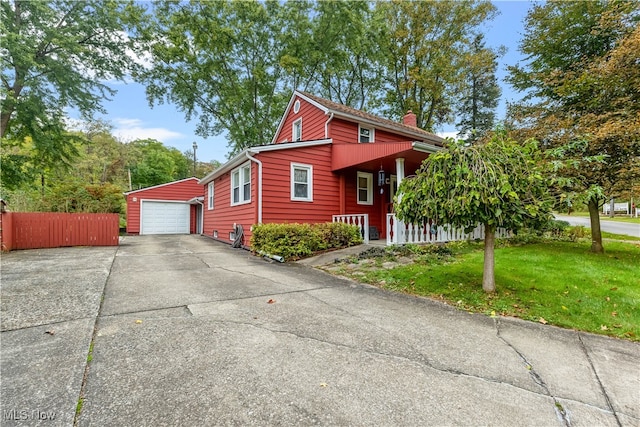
(554, 282)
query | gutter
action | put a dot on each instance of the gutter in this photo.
(326, 126)
(253, 159)
(425, 148)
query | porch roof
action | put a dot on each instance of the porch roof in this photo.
(348, 155)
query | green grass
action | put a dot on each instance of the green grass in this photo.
(559, 283)
(612, 236)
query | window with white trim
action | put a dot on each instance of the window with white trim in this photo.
(210, 196)
(241, 184)
(365, 134)
(296, 132)
(301, 182)
(365, 188)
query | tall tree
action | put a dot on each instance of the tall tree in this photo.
(581, 79)
(422, 48)
(497, 184)
(344, 36)
(219, 61)
(57, 55)
(480, 91)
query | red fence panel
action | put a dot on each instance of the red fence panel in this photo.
(33, 230)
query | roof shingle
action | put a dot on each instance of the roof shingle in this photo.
(386, 123)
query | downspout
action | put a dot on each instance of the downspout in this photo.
(259, 185)
(201, 217)
(326, 127)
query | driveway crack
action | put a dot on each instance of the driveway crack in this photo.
(595, 372)
(85, 376)
(420, 361)
(537, 378)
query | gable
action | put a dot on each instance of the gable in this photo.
(312, 116)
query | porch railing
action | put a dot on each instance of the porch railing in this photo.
(361, 220)
(399, 233)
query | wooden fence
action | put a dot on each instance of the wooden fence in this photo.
(34, 230)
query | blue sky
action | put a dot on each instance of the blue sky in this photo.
(132, 118)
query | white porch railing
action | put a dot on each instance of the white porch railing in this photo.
(399, 233)
(361, 220)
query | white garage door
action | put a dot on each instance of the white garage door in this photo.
(164, 218)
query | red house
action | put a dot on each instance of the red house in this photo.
(327, 162)
(171, 208)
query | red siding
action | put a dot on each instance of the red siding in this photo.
(343, 131)
(222, 217)
(277, 204)
(313, 123)
(384, 136)
(182, 190)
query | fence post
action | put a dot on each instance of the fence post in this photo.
(6, 231)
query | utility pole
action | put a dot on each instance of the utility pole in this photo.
(195, 147)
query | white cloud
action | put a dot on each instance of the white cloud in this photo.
(131, 129)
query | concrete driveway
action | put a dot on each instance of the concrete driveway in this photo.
(181, 330)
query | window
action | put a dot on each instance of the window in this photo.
(241, 184)
(297, 130)
(365, 134)
(210, 196)
(365, 188)
(301, 182)
(296, 106)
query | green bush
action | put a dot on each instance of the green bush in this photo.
(294, 241)
(576, 233)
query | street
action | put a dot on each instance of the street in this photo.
(610, 226)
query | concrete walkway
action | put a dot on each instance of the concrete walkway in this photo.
(181, 330)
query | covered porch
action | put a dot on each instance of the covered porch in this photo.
(370, 174)
(369, 178)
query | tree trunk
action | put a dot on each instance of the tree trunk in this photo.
(488, 275)
(596, 234)
(4, 121)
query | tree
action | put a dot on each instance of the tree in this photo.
(56, 56)
(422, 48)
(219, 61)
(498, 184)
(581, 78)
(480, 91)
(344, 39)
(152, 163)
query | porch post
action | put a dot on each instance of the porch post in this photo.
(400, 170)
(343, 197)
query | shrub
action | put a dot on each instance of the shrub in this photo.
(576, 233)
(294, 241)
(555, 228)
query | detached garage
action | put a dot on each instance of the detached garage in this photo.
(171, 208)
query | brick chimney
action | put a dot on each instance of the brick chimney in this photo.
(410, 119)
